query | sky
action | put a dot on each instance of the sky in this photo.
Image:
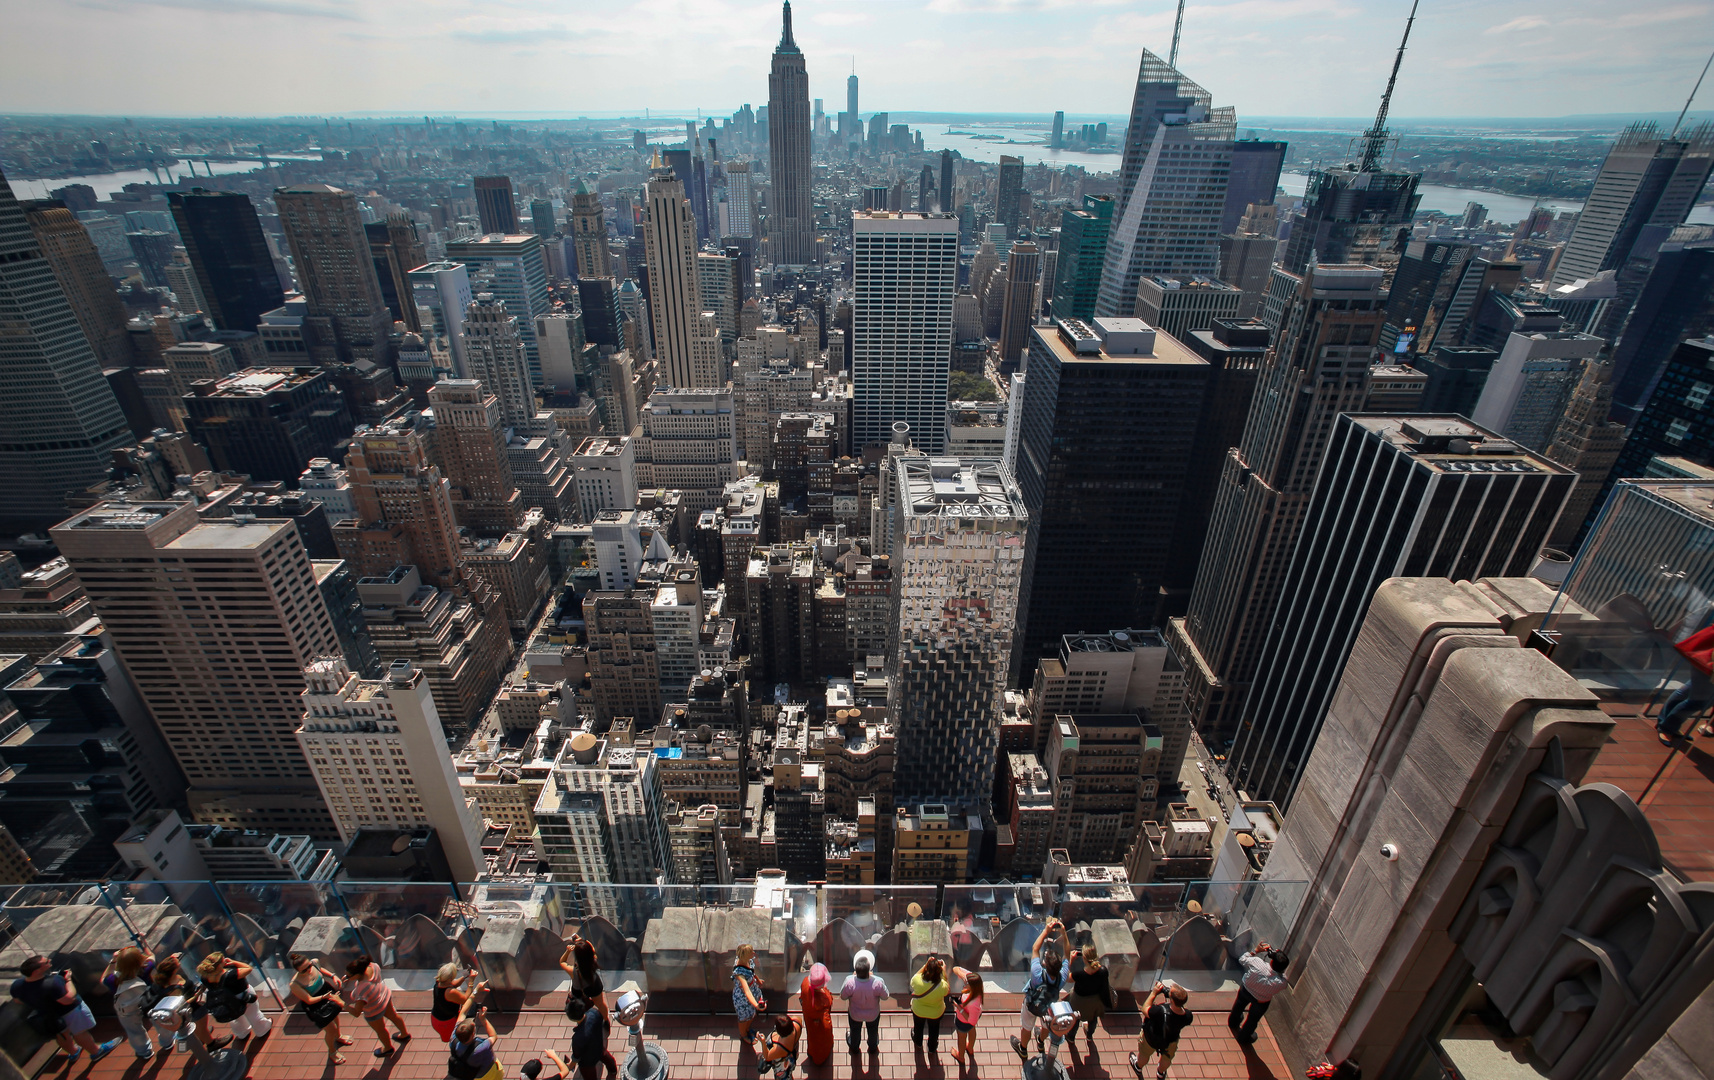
(1467, 58)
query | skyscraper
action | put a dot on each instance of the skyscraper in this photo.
(905, 271)
(1008, 200)
(494, 349)
(470, 448)
(1411, 496)
(1116, 400)
(348, 318)
(589, 233)
(1422, 290)
(396, 250)
(1530, 384)
(850, 105)
(945, 182)
(215, 620)
(60, 416)
(1361, 212)
(388, 732)
(675, 299)
(1254, 178)
(1677, 302)
(1018, 318)
(1082, 253)
(740, 202)
(515, 271)
(494, 204)
(791, 213)
(1587, 443)
(1058, 138)
(404, 507)
(1167, 217)
(268, 422)
(88, 288)
(958, 550)
(1646, 179)
(443, 288)
(1318, 369)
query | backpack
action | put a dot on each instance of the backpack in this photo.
(588, 1039)
(135, 998)
(226, 1004)
(458, 1065)
(1040, 995)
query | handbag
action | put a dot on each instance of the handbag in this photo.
(321, 1012)
(1698, 648)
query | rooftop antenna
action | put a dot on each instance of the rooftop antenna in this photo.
(1172, 61)
(1375, 139)
(1692, 96)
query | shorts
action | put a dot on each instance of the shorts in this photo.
(959, 1025)
(79, 1019)
(443, 1028)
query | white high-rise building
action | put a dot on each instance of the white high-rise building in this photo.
(959, 529)
(740, 205)
(495, 352)
(602, 818)
(327, 483)
(1169, 220)
(618, 543)
(687, 442)
(675, 301)
(443, 290)
(905, 273)
(604, 471)
(379, 755)
(676, 614)
(1531, 383)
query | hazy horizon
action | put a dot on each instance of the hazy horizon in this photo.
(1293, 58)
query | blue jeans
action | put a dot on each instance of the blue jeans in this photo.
(1685, 702)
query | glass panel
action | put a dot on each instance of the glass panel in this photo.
(282, 917)
(411, 928)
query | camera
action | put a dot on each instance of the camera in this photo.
(1390, 852)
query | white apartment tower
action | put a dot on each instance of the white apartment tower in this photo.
(379, 755)
(688, 443)
(495, 353)
(905, 273)
(740, 212)
(959, 529)
(604, 469)
(602, 818)
(675, 302)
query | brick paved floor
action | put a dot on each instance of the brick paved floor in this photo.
(701, 1048)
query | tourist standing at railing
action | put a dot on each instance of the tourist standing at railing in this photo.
(371, 998)
(966, 1011)
(1264, 977)
(170, 977)
(317, 991)
(449, 998)
(865, 992)
(1092, 993)
(747, 999)
(1165, 1016)
(589, 1039)
(1047, 979)
(581, 964)
(817, 1002)
(928, 1003)
(778, 1050)
(230, 999)
(127, 976)
(57, 1010)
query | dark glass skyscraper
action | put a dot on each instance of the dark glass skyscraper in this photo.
(1082, 252)
(1675, 303)
(946, 181)
(233, 265)
(1254, 178)
(791, 214)
(1110, 414)
(494, 205)
(1011, 194)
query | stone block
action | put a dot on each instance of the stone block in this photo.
(1413, 816)
(672, 950)
(502, 955)
(1117, 948)
(324, 940)
(929, 937)
(1365, 911)
(725, 930)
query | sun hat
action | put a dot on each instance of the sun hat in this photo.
(817, 976)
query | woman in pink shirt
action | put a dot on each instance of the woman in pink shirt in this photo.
(367, 996)
(966, 1010)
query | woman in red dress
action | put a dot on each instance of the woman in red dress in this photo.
(817, 1003)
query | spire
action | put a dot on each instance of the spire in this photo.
(786, 42)
(1375, 139)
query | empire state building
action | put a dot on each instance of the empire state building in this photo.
(791, 220)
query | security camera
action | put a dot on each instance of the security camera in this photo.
(1390, 852)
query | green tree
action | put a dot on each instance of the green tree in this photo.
(963, 386)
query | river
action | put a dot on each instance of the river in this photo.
(107, 183)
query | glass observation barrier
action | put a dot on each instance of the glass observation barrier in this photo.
(676, 942)
(1635, 599)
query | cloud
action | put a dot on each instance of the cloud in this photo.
(1522, 22)
(238, 8)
